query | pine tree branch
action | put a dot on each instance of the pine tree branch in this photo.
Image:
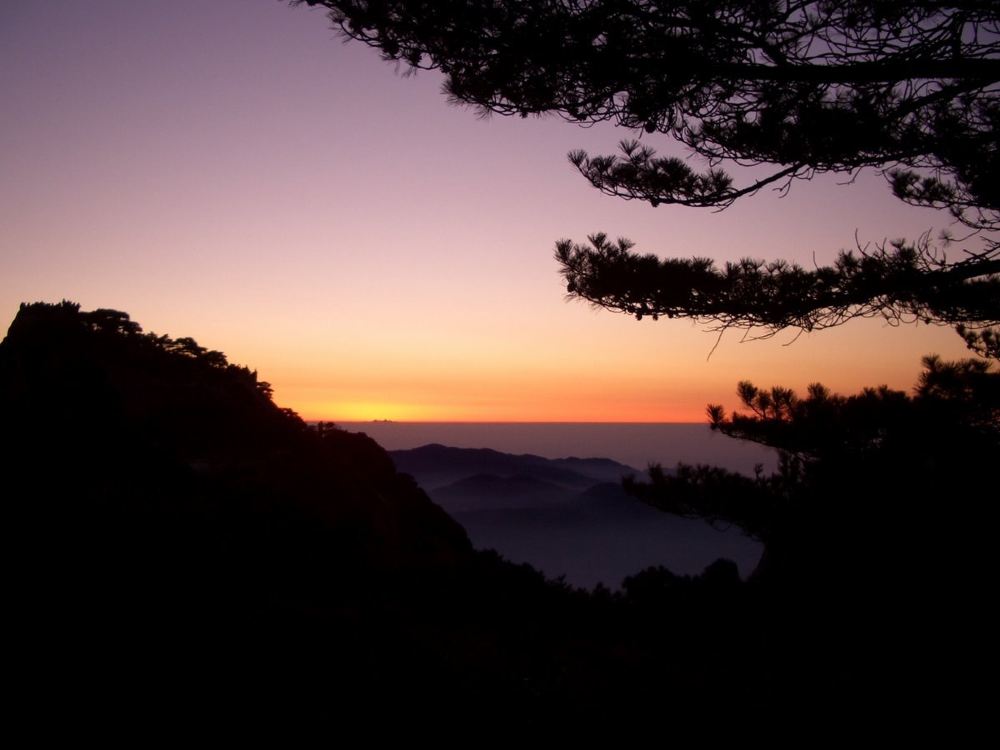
(904, 282)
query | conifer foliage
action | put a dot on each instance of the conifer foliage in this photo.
(799, 87)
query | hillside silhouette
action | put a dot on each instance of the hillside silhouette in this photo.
(177, 533)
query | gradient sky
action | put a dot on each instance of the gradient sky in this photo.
(231, 171)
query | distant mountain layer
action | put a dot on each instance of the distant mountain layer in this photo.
(568, 516)
(436, 465)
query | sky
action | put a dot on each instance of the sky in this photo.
(234, 172)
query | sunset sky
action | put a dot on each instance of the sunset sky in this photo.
(232, 171)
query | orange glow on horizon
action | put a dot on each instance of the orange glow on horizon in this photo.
(366, 412)
(372, 279)
(447, 418)
(369, 411)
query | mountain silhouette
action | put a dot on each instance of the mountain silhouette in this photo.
(175, 533)
(437, 465)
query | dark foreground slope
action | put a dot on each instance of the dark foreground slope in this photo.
(177, 538)
(176, 541)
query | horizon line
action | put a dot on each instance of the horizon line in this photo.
(519, 422)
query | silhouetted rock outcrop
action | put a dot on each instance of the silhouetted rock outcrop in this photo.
(131, 417)
(169, 518)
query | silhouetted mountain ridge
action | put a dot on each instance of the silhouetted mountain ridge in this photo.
(176, 411)
(178, 534)
(436, 465)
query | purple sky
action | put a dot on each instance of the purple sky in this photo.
(231, 171)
